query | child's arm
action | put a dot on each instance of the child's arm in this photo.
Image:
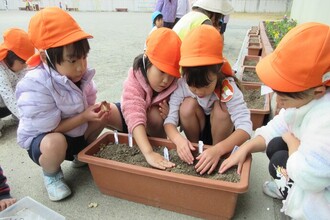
(7, 94)
(256, 144)
(154, 159)
(92, 113)
(183, 145)
(209, 159)
(5, 198)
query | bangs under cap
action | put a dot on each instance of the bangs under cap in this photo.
(53, 27)
(154, 16)
(202, 46)
(163, 50)
(17, 41)
(218, 6)
(301, 60)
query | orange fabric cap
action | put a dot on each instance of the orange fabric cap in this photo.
(202, 47)
(301, 60)
(17, 41)
(163, 50)
(53, 27)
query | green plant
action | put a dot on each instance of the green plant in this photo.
(277, 29)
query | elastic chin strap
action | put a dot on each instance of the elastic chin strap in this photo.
(49, 59)
(144, 62)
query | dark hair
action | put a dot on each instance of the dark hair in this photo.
(199, 76)
(80, 49)
(138, 64)
(210, 14)
(295, 95)
(11, 57)
(160, 16)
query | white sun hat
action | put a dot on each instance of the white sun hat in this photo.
(218, 6)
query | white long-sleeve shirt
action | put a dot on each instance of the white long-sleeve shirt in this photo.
(309, 166)
(8, 82)
(237, 108)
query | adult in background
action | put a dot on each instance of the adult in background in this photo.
(203, 12)
(168, 9)
(182, 9)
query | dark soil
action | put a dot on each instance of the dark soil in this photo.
(253, 98)
(250, 62)
(254, 40)
(132, 155)
(250, 76)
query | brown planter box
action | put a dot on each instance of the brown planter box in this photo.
(251, 60)
(191, 195)
(249, 75)
(267, 47)
(254, 39)
(258, 115)
(254, 49)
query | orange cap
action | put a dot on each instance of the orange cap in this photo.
(163, 50)
(53, 27)
(203, 46)
(17, 41)
(301, 60)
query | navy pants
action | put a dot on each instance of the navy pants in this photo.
(278, 154)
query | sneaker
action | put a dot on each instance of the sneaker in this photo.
(270, 189)
(76, 163)
(56, 187)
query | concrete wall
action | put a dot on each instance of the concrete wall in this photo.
(252, 6)
(148, 5)
(311, 10)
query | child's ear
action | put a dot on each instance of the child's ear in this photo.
(319, 91)
(43, 56)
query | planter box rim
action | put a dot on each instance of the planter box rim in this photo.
(240, 187)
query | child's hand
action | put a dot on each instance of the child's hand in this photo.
(184, 148)
(208, 160)
(5, 203)
(94, 113)
(163, 109)
(292, 142)
(158, 161)
(236, 158)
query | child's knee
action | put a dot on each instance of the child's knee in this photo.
(274, 145)
(54, 142)
(188, 107)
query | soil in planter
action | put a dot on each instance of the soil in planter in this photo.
(250, 76)
(254, 99)
(254, 40)
(250, 62)
(132, 155)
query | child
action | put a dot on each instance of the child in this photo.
(203, 12)
(297, 139)
(168, 9)
(208, 104)
(5, 199)
(14, 51)
(56, 99)
(146, 90)
(157, 22)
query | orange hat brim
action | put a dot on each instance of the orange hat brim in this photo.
(267, 73)
(3, 51)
